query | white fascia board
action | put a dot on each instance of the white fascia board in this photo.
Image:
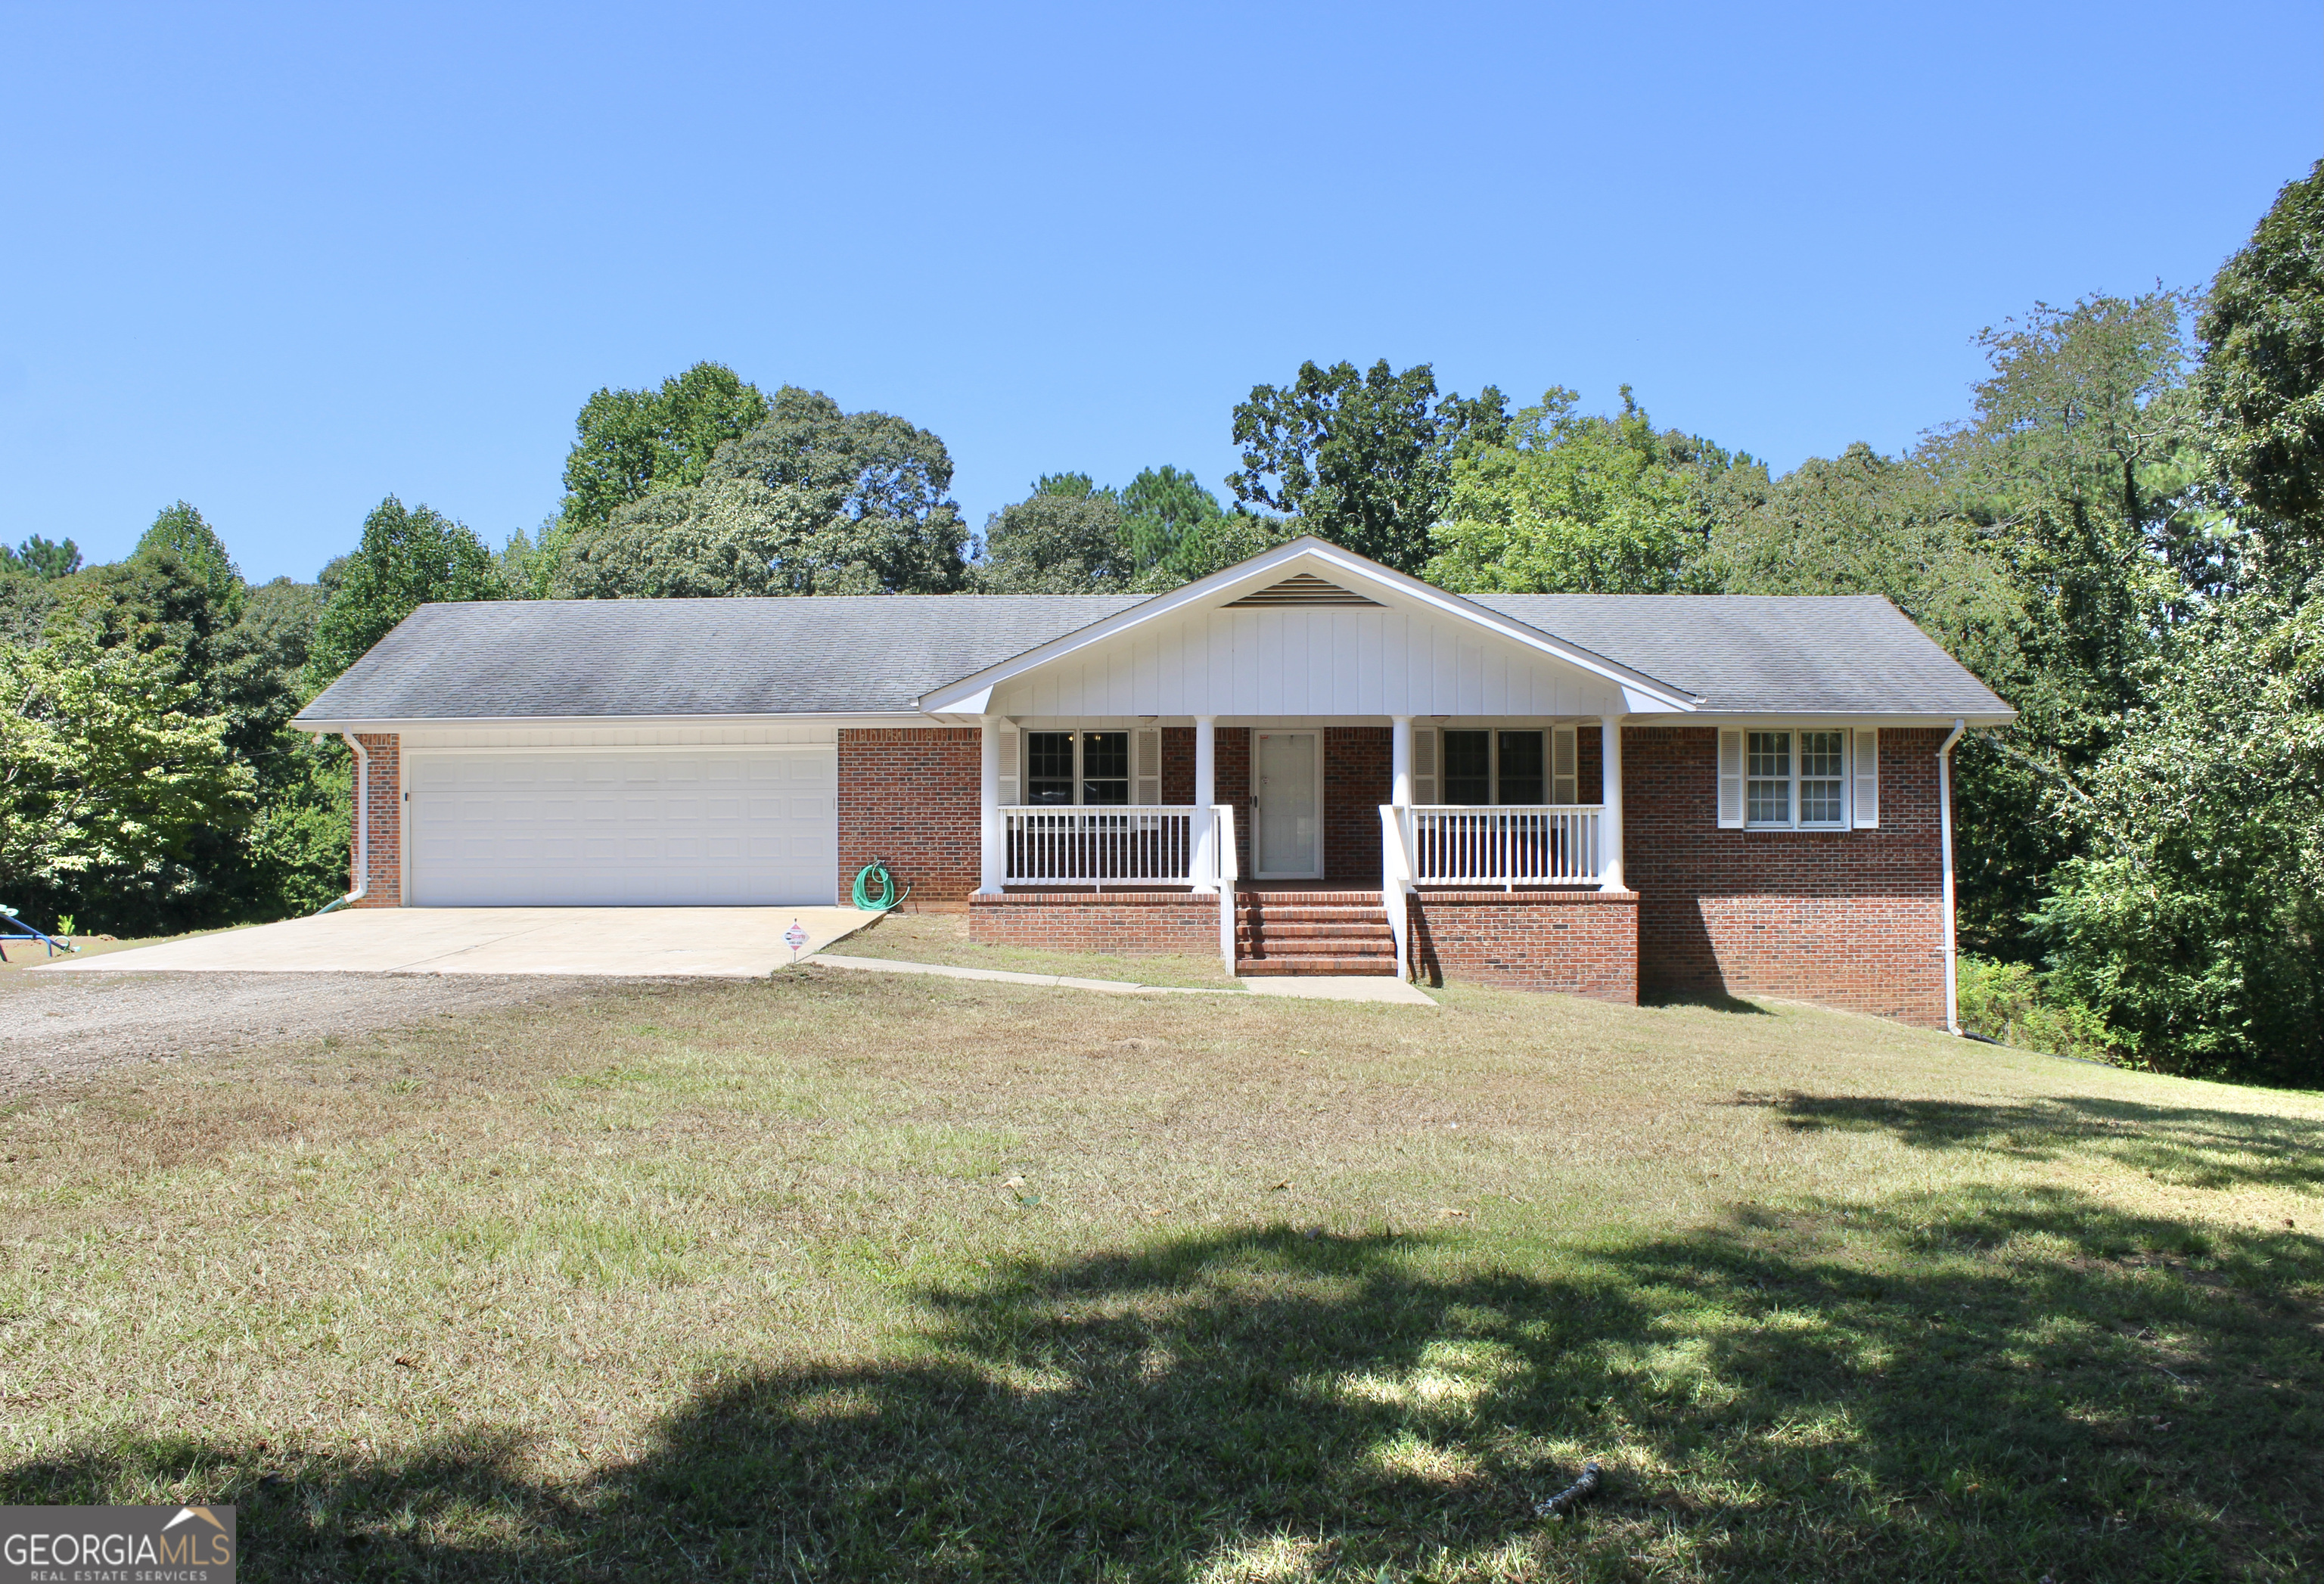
(1271, 567)
(1820, 718)
(574, 723)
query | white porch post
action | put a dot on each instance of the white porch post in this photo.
(1206, 794)
(1399, 761)
(1609, 862)
(992, 866)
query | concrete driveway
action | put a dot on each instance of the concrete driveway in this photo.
(717, 942)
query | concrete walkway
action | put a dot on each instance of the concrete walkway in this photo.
(715, 943)
(1384, 990)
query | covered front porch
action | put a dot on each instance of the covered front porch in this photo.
(1355, 845)
(1311, 719)
(1202, 803)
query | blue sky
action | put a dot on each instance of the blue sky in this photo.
(281, 262)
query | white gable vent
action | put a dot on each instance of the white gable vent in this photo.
(1306, 589)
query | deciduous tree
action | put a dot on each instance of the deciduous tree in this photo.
(811, 501)
(1363, 460)
(407, 557)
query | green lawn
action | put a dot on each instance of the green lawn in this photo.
(839, 1275)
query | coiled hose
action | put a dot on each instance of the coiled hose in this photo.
(877, 871)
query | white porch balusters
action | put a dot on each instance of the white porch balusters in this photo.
(993, 856)
(1609, 829)
(1206, 792)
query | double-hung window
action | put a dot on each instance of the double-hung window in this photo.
(1795, 780)
(1077, 767)
(1494, 767)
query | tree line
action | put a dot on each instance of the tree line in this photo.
(2122, 536)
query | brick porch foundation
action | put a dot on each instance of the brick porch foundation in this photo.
(1124, 923)
(1572, 942)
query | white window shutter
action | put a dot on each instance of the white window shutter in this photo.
(1423, 764)
(1867, 779)
(1012, 766)
(1564, 766)
(1730, 780)
(1145, 764)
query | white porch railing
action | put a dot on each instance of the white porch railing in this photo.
(1100, 847)
(1505, 846)
(1395, 885)
(1226, 871)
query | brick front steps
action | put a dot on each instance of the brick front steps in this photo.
(1312, 933)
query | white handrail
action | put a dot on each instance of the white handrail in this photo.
(1110, 844)
(1504, 844)
(1396, 885)
(1227, 870)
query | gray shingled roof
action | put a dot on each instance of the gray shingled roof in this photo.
(1744, 654)
(872, 655)
(500, 659)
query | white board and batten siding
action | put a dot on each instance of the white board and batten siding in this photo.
(641, 816)
(1320, 661)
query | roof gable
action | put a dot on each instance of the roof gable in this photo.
(1336, 567)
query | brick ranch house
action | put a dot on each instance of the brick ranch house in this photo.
(1307, 762)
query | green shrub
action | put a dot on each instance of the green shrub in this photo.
(2010, 1002)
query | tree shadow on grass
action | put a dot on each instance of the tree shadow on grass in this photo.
(2188, 1144)
(1984, 1385)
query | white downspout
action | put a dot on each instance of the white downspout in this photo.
(1945, 833)
(363, 829)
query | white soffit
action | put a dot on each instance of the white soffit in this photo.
(1335, 568)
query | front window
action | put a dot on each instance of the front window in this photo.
(1095, 765)
(1796, 780)
(1493, 767)
(1105, 767)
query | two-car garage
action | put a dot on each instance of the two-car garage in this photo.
(712, 826)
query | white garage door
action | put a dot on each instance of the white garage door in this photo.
(614, 827)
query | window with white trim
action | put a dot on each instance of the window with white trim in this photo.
(1483, 767)
(1077, 767)
(1795, 780)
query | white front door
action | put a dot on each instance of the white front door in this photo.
(615, 827)
(1289, 825)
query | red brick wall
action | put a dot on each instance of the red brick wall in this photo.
(1177, 764)
(1574, 943)
(1357, 778)
(1233, 775)
(1848, 918)
(384, 784)
(1124, 922)
(910, 796)
(1590, 764)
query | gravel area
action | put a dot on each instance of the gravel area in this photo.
(61, 1027)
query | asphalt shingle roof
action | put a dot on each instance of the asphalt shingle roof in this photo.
(873, 655)
(1747, 654)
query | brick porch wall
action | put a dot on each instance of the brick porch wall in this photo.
(1357, 778)
(1572, 942)
(383, 784)
(910, 796)
(1126, 922)
(1848, 918)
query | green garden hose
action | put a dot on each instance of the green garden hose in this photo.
(877, 869)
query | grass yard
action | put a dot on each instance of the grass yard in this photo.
(841, 1275)
(942, 937)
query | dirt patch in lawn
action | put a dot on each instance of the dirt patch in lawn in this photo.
(58, 1028)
